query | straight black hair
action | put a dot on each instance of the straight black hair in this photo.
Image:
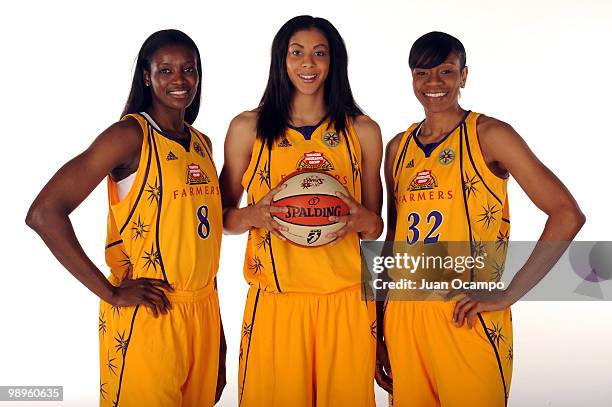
(140, 95)
(275, 105)
(433, 48)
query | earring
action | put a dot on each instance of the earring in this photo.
(147, 84)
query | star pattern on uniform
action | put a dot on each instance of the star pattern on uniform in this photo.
(116, 310)
(496, 334)
(126, 262)
(264, 240)
(110, 365)
(246, 330)
(488, 215)
(154, 192)
(103, 391)
(101, 324)
(264, 174)
(151, 258)
(502, 240)
(122, 343)
(256, 265)
(355, 169)
(469, 185)
(510, 355)
(498, 271)
(373, 329)
(139, 229)
(479, 249)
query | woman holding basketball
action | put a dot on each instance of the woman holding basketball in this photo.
(447, 182)
(307, 337)
(159, 304)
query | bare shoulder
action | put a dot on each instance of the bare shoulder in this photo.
(240, 137)
(394, 143)
(364, 125)
(244, 124)
(490, 128)
(126, 134)
(208, 141)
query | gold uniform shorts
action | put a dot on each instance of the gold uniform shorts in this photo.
(304, 350)
(434, 363)
(171, 360)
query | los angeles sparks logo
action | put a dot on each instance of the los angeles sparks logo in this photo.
(314, 160)
(423, 180)
(195, 175)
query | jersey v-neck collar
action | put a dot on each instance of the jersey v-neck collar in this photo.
(185, 143)
(430, 147)
(307, 131)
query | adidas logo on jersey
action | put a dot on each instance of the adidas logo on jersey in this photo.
(410, 164)
(171, 156)
(284, 143)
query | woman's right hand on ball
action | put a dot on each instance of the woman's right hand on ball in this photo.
(143, 291)
(260, 215)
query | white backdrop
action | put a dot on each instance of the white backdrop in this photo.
(543, 66)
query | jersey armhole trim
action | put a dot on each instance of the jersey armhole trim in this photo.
(478, 146)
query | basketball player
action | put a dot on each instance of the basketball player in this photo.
(161, 339)
(448, 177)
(307, 339)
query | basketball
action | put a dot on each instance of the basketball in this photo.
(310, 197)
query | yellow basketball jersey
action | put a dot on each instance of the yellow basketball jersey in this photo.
(279, 266)
(169, 225)
(449, 194)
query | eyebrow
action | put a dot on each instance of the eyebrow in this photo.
(445, 64)
(191, 61)
(301, 46)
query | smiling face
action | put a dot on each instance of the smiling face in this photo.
(308, 61)
(438, 88)
(173, 76)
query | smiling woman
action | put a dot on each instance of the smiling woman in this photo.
(304, 301)
(152, 153)
(426, 356)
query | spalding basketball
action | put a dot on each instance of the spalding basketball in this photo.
(310, 198)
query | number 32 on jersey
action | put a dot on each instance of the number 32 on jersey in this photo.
(429, 225)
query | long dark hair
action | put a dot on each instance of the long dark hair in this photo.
(275, 105)
(140, 95)
(433, 48)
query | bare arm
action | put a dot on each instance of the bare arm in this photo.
(115, 149)
(364, 218)
(370, 139)
(383, 373)
(238, 147)
(502, 144)
(390, 153)
(505, 151)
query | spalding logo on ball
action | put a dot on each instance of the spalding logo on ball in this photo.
(310, 198)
